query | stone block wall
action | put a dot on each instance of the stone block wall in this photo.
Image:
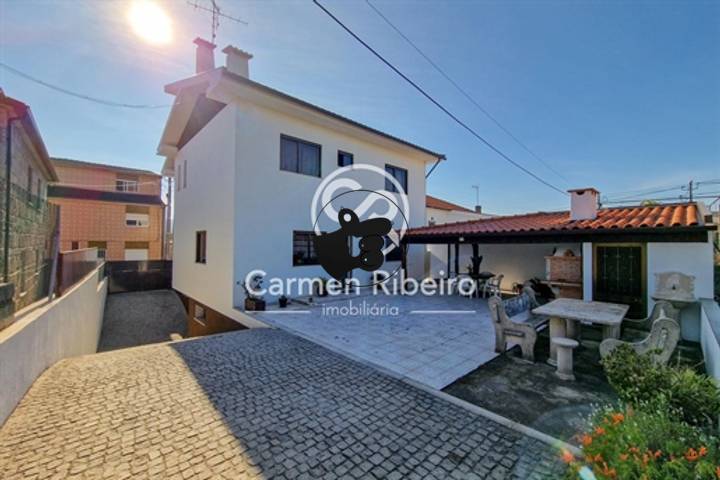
(32, 223)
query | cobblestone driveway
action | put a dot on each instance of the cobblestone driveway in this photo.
(251, 404)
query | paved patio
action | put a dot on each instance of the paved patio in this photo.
(250, 404)
(433, 340)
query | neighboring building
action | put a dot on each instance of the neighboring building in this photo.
(441, 211)
(116, 209)
(608, 254)
(29, 224)
(438, 212)
(238, 205)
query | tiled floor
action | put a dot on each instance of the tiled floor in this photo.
(430, 339)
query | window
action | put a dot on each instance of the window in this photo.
(400, 174)
(126, 184)
(137, 216)
(344, 158)
(299, 156)
(201, 247)
(304, 249)
(29, 184)
(185, 175)
(199, 314)
(101, 247)
(137, 220)
(75, 245)
(38, 200)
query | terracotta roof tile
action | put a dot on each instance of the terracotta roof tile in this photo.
(661, 216)
(434, 202)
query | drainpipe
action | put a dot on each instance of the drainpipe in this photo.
(8, 185)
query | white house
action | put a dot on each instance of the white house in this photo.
(609, 254)
(246, 161)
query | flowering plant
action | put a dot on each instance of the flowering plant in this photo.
(646, 443)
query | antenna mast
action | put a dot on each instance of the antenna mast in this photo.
(216, 14)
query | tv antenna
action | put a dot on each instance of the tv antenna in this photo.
(477, 194)
(216, 15)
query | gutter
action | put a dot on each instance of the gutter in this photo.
(576, 234)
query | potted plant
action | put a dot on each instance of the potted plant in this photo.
(283, 301)
(253, 302)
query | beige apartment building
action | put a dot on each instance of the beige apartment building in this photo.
(119, 210)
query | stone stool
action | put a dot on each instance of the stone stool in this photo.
(565, 347)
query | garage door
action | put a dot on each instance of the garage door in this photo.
(136, 254)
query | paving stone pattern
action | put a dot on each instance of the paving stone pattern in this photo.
(250, 404)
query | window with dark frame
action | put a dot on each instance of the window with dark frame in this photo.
(101, 246)
(29, 184)
(400, 174)
(345, 158)
(299, 156)
(304, 249)
(74, 245)
(201, 247)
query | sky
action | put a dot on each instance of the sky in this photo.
(620, 96)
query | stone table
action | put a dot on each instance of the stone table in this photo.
(564, 314)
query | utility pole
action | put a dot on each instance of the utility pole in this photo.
(477, 194)
(690, 190)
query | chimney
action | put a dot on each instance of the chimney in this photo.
(204, 55)
(478, 208)
(583, 203)
(237, 61)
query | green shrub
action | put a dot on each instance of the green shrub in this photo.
(637, 380)
(647, 443)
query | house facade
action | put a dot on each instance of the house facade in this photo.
(606, 254)
(116, 209)
(246, 161)
(29, 223)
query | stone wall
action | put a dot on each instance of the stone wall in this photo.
(32, 223)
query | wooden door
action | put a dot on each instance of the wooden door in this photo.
(619, 276)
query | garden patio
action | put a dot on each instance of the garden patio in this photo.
(447, 342)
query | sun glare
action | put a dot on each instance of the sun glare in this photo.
(150, 22)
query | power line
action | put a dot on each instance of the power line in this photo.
(435, 102)
(78, 95)
(465, 93)
(679, 197)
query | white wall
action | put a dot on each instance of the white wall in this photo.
(451, 216)
(272, 203)
(207, 203)
(710, 336)
(518, 262)
(689, 258)
(66, 327)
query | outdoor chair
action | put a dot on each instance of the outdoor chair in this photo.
(645, 324)
(660, 343)
(492, 286)
(514, 321)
